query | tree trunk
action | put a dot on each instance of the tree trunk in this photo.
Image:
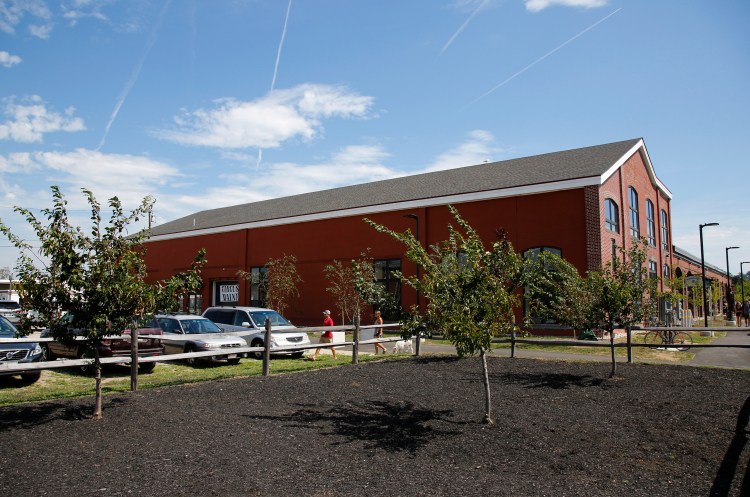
(612, 347)
(98, 376)
(134, 356)
(487, 397)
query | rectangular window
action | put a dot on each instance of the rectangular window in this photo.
(258, 286)
(653, 269)
(384, 275)
(651, 223)
(533, 254)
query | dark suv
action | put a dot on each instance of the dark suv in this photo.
(110, 347)
(18, 352)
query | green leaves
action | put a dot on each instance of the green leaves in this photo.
(470, 290)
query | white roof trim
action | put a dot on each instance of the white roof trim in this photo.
(640, 146)
(395, 206)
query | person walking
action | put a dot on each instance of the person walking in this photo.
(327, 336)
(378, 332)
(746, 312)
(738, 312)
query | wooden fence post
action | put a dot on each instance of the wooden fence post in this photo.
(267, 349)
(513, 343)
(630, 343)
(134, 356)
(355, 346)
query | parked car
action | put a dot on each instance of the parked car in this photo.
(19, 353)
(190, 333)
(10, 310)
(249, 323)
(110, 347)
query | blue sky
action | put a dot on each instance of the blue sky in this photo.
(204, 104)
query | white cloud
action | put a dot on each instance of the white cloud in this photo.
(9, 60)
(537, 5)
(28, 122)
(128, 177)
(12, 13)
(269, 121)
(477, 148)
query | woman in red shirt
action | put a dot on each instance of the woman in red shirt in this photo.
(327, 336)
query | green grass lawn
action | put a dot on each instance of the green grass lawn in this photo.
(67, 383)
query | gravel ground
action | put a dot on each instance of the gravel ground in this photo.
(396, 428)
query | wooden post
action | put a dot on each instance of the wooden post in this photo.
(630, 343)
(267, 349)
(355, 347)
(513, 343)
(134, 356)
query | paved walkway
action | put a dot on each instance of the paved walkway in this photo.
(720, 357)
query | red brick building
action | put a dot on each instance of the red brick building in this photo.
(578, 203)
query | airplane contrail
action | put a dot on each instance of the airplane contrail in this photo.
(276, 66)
(134, 77)
(463, 26)
(542, 58)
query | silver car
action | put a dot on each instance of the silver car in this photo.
(189, 333)
(249, 324)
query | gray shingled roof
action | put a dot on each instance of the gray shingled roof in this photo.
(539, 169)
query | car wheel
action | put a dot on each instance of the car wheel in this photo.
(296, 355)
(88, 368)
(236, 360)
(146, 367)
(257, 343)
(47, 354)
(31, 377)
(190, 361)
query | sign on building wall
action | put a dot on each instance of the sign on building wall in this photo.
(226, 293)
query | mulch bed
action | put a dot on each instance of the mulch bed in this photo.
(396, 428)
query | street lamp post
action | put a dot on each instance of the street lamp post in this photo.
(416, 234)
(730, 296)
(742, 281)
(703, 274)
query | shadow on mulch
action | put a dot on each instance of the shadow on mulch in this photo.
(390, 426)
(556, 381)
(31, 415)
(728, 468)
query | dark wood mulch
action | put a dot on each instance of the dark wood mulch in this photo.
(397, 428)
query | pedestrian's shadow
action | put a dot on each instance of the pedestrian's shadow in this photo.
(732, 458)
(390, 426)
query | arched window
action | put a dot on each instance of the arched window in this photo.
(635, 224)
(611, 215)
(664, 231)
(651, 223)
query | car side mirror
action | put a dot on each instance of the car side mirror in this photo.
(245, 324)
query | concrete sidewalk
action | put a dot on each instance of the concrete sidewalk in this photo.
(733, 358)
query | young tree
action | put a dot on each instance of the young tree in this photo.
(470, 289)
(168, 294)
(621, 295)
(96, 277)
(354, 288)
(279, 281)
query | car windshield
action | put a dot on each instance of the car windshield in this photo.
(197, 326)
(259, 317)
(7, 330)
(12, 306)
